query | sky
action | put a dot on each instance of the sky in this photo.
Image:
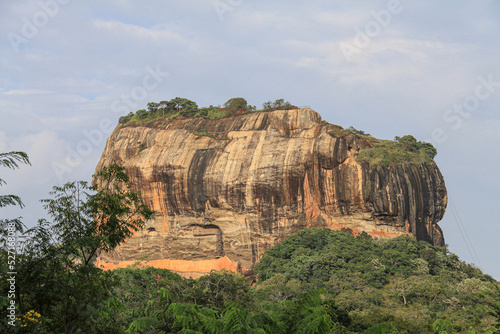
(69, 69)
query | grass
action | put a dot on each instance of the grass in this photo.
(135, 120)
(207, 134)
(383, 152)
(390, 153)
(339, 132)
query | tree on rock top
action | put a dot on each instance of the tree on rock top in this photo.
(279, 104)
(236, 104)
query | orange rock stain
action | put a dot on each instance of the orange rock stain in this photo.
(184, 268)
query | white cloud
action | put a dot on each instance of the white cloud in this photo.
(27, 92)
(133, 31)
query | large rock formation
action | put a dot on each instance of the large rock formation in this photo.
(225, 190)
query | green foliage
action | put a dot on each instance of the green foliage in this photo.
(351, 129)
(496, 308)
(211, 113)
(215, 113)
(181, 107)
(403, 283)
(236, 104)
(100, 221)
(57, 277)
(214, 290)
(429, 149)
(12, 160)
(400, 151)
(207, 134)
(338, 131)
(409, 143)
(388, 152)
(382, 328)
(163, 110)
(278, 104)
(315, 281)
(306, 314)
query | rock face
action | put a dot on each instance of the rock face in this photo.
(225, 190)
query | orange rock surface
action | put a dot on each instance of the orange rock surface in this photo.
(184, 268)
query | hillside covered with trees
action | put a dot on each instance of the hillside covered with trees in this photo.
(315, 281)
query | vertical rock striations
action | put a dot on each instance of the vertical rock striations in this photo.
(225, 190)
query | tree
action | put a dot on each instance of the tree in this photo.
(99, 221)
(214, 290)
(411, 144)
(163, 106)
(153, 106)
(429, 149)
(57, 275)
(351, 129)
(12, 160)
(313, 312)
(117, 211)
(142, 113)
(126, 119)
(278, 104)
(182, 106)
(496, 308)
(8, 230)
(236, 104)
(408, 142)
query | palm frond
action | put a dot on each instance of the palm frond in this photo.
(6, 200)
(12, 159)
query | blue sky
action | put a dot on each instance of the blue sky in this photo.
(427, 68)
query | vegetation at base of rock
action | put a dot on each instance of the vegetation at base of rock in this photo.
(315, 281)
(181, 107)
(404, 285)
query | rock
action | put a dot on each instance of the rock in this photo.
(225, 190)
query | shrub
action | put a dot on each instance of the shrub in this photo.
(279, 104)
(236, 104)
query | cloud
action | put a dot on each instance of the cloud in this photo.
(130, 31)
(27, 92)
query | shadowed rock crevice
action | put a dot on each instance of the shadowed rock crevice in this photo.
(210, 230)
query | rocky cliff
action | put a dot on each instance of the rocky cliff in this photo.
(225, 190)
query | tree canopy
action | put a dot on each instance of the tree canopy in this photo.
(237, 104)
(58, 287)
(182, 107)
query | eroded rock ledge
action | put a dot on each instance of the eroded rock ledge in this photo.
(231, 188)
